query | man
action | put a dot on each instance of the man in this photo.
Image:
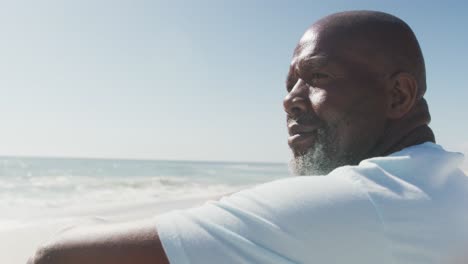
(355, 113)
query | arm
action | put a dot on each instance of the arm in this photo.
(123, 243)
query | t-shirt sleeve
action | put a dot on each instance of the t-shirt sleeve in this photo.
(294, 220)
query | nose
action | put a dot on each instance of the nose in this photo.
(297, 100)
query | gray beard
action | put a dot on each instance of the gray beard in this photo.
(314, 162)
(321, 159)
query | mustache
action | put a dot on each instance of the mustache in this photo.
(303, 119)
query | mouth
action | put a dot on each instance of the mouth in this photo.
(304, 138)
(301, 137)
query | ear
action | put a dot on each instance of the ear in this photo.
(401, 95)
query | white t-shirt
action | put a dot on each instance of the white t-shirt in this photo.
(409, 207)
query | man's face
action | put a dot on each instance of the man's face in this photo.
(335, 104)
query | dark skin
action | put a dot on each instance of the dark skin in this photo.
(135, 242)
(371, 105)
(371, 100)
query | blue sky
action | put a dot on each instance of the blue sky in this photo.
(193, 80)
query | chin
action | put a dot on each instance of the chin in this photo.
(314, 161)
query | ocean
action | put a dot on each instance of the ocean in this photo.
(39, 189)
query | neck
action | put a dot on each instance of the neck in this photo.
(417, 136)
(410, 130)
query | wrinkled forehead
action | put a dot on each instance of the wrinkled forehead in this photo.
(307, 43)
(315, 49)
(319, 46)
(307, 47)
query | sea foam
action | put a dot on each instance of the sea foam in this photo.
(51, 188)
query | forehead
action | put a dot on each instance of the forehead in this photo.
(307, 44)
(306, 51)
(319, 48)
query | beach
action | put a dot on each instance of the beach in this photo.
(41, 196)
(18, 243)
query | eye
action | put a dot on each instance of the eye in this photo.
(317, 78)
(318, 75)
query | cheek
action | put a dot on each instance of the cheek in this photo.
(319, 100)
(329, 105)
(349, 107)
(355, 118)
(361, 125)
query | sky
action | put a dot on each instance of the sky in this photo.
(187, 80)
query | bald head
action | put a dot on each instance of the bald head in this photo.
(385, 42)
(355, 90)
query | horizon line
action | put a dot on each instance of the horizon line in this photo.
(134, 159)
